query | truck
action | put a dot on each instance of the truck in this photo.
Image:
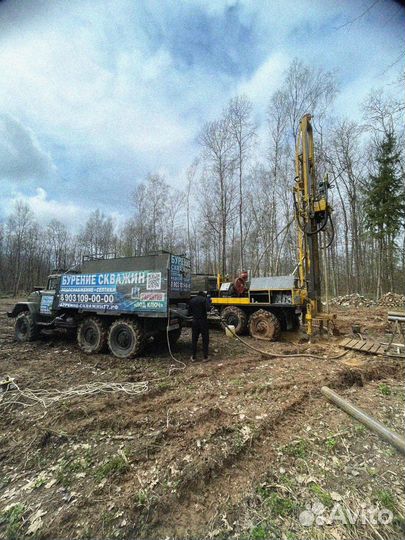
(262, 306)
(118, 302)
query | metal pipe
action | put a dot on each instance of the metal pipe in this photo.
(385, 433)
(396, 318)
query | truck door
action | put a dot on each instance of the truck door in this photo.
(48, 295)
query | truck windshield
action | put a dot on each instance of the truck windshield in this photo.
(52, 283)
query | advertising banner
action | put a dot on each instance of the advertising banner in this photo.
(180, 275)
(46, 304)
(128, 292)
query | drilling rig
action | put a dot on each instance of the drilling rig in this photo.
(314, 223)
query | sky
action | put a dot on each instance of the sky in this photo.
(94, 95)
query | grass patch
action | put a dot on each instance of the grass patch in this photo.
(372, 471)
(321, 495)
(331, 443)
(297, 449)
(69, 467)
(164, 385)
(386, 499)
(116, 465)
(107, 520)
(264, 530)
(259, 533)
(13, 519)
(384, 389)
(286, 480)
(278, 506)
(144, 498)
(40, 481)
(360, 429)
(236, 382)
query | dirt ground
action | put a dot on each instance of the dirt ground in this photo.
(241, 447)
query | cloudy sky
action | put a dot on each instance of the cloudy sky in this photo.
(94, 94)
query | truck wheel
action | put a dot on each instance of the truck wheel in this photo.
(264, 325)
(92, 335)
(236, 317)
(25, 327)
(126, 338)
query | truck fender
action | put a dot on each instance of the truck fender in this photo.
(32, 307)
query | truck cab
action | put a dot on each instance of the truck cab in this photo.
(36, 311)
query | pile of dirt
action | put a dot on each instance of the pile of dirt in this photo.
(391, 299)
(353, 300)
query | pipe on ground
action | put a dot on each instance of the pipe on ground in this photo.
(386, 434)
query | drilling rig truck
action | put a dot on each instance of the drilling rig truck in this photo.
(267, 305)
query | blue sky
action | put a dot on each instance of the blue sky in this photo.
(96, 94)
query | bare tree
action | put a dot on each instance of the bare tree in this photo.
(243, 131)
(19, 225)
(306, 89)
(97, 237)
(58, 242)
(218, 147)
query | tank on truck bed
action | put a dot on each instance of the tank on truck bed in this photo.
(119, 302)
(146, 285)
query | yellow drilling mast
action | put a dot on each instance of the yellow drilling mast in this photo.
(312, 215)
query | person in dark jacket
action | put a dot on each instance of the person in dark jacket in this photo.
(198, 309)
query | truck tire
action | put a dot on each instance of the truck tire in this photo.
(92, 335)
(126, 338)
(236, 317)
(25, 328)
(264, 325)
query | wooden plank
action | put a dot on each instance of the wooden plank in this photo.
(367, 346)
(374, 348)
(352, 343)
(345, 342)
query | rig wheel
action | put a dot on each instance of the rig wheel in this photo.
(126, 338)
(236, 317)
(92, 335)
(25, 328)
(264, 325)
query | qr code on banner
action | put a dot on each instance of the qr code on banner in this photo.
(153, 281)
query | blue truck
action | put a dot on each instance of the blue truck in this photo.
(117, 303)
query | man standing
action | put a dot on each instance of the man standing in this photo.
(198, 309)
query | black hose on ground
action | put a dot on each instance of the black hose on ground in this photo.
(276, 355)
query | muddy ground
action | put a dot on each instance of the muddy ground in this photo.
(241, 447)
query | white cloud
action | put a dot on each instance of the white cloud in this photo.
(21, 156)
(265, 80)
(46, 209)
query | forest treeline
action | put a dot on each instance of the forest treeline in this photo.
(236, 211)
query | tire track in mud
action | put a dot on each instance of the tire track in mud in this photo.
(200, 496)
